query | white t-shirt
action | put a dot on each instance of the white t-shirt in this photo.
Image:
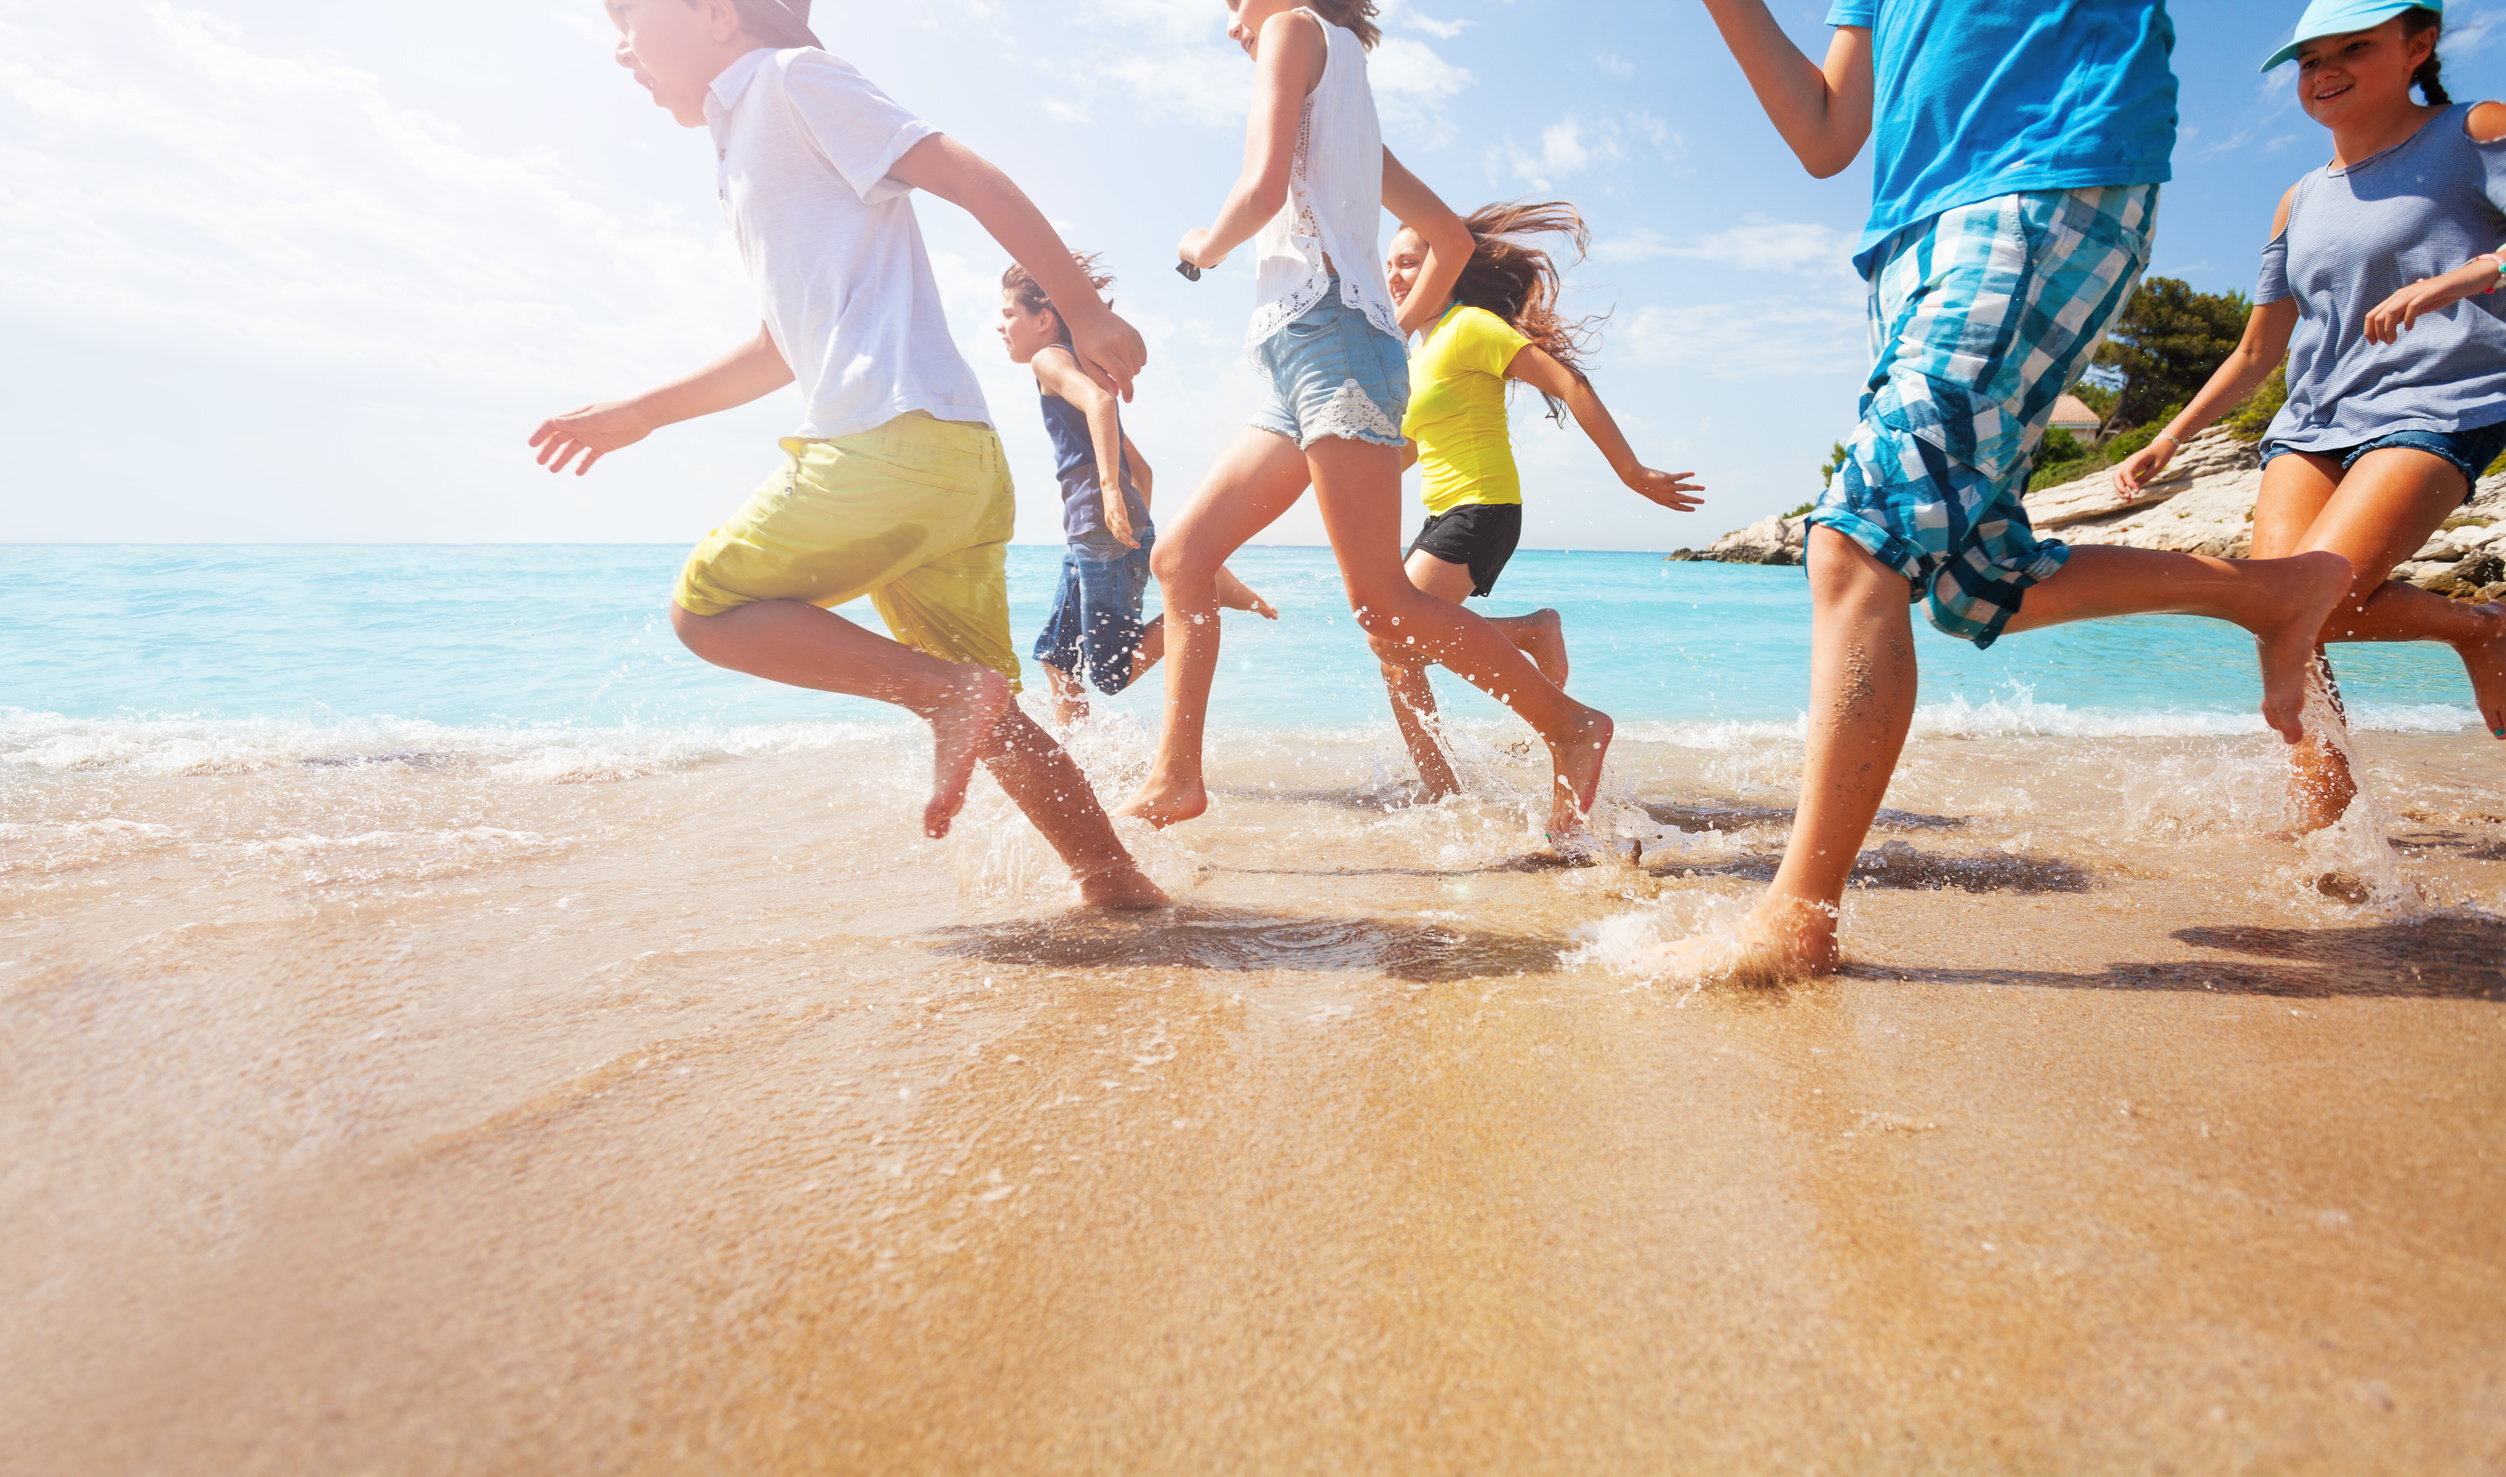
(843, 282)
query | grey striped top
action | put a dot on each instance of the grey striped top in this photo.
(2355, 237)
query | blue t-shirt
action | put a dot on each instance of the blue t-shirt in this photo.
(1978, 98)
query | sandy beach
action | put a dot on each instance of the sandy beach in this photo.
(418, 1114)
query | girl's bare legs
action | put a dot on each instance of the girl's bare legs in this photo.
(1357, 490)
(971, 715)
(2376, 515)
(1258, 477)
(1540, 636)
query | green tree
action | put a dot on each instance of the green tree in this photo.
(2166, 344)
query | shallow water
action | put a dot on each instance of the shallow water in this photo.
(397, 1089)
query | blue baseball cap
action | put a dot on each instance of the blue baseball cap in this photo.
(2340, 17)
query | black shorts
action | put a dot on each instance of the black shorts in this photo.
(1480, 535)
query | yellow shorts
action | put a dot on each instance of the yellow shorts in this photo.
(915, 514)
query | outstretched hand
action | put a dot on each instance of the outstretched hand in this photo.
(591, 433)
(1672, 490)
(2141, 466)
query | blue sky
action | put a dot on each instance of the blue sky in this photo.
(296, 270)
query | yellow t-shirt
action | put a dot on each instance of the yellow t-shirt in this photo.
(1457, 410)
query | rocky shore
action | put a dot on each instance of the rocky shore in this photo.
(2204, 505)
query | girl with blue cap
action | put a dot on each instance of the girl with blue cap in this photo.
(2380, 285)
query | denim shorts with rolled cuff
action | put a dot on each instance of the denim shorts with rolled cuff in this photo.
(1095, 625)
(2470, 451)
(1332, 373)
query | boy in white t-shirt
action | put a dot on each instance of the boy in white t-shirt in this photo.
(894, 486)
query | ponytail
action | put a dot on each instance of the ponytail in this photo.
(1520, 283)
(2416, 22)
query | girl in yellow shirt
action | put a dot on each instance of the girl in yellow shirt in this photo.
(1502, 326)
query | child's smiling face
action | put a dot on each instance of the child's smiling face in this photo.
(1026, 334)
(1401, 268)
(677, 49)
(2339, 75)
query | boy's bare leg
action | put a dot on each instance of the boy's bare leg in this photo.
(971, 716)
(1862, 690)
(1070, 697)
(1258, 477)
(801, 645)
(2283, 602)
(1039, 777)
(1355, 488)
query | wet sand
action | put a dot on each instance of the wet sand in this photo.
(423, 1116)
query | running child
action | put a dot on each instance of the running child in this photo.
(2011, 214)
(2378, 284)
(894, 486)
(1095, 631)
(1502, 326)
(1332, 347)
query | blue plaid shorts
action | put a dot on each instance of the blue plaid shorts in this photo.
(1980, 318)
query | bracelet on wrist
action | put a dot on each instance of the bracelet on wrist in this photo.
(2494, 260)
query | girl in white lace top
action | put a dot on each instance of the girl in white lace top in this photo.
(1331, 348)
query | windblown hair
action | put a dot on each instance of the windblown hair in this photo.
(1357, 15)
(1028, 294)
(1520, 283)
(781, 24)
(2417, 21)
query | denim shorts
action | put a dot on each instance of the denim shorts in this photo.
(1095, 624)
(2471, 451)
(1333, 373)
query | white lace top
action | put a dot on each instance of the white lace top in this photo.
(1335, 203)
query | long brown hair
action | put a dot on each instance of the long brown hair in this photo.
(1357, 15)
(2417, 21)
(1029, 294)
(1520, 283)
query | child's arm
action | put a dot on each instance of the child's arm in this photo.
(1449, 243)
(1059, 375)
(2267, 332)
(1105, 344)
(1143, 476)
(1823, 112)
(753, 369)
(1540, 370)
(1292, 53)
(2394, 316)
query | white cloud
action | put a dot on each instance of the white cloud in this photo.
(173, 179)
(1758, 246)
(1574, 144)
(1754, 339)
(1441, 30)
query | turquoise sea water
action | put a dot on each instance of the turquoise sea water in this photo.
(575, 637)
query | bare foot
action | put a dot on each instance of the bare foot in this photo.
(1578, 764)
(1164, 803)
(2320, 785)
(2315, 584)
(2486, 661)
(961, 730)
(1235, 594)
(1784, 938)
(1542, 637)
(1124, 887)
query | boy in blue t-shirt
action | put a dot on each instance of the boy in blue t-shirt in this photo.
(2015, 190)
